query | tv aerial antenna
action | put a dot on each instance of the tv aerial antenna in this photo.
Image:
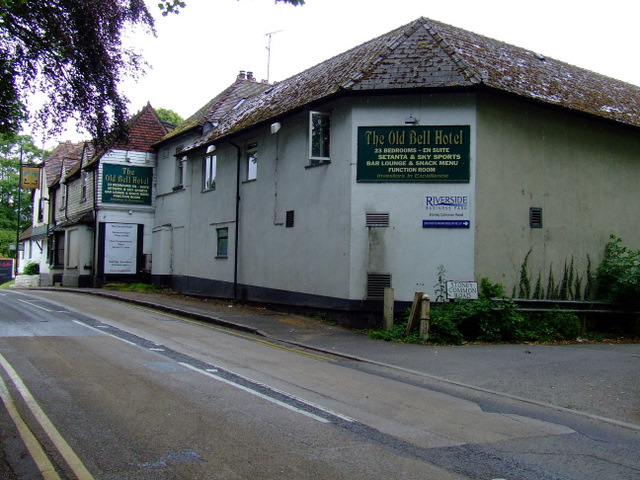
(270, 34)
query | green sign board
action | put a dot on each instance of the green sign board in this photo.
(414, 154)
(126, 184)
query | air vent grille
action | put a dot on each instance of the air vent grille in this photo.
(377, 219)
(289, 219)
(376, 283)
(535, 217)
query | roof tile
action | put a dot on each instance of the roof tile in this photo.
(427, 54)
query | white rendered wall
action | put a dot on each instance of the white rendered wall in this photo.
(406, 250)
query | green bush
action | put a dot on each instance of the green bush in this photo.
(398, 333)
(31, 268)
(490, 318)
(551, 326)
(493, 317)
(619, 274)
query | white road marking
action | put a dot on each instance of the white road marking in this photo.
(59, 442)
(43, 463)
(40, 307)
(105, 333)
(261, 395)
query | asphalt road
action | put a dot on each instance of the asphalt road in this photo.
(137, 393)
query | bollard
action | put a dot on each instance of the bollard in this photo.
(425, 308)
(387, 314)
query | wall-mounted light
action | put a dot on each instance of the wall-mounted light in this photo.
(275, 127)
(211, 148)
(411, 120)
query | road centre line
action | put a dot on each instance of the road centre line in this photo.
(46, 468)
(256, 393)
(70, 457)
(96, 329)
(40, 307)
(233, 379)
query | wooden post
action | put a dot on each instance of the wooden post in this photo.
(387, 314)
(425, 308)
(415, 312)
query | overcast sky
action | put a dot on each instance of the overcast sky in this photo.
(199, 52)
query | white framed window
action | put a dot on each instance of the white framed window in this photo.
(209, 166)
(319, 137)
(179, 173)
(252, 161)
(85, 182)
(63, 196)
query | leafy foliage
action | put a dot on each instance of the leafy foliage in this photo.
(398, 333)
(31, 268)
(10, 151)
(168, 7)
(551, 326)
(619, 273)
(492, 318)
(70, 50)
(169, 116)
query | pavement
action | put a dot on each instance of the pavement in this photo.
(597, 380)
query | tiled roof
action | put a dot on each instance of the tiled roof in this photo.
(220, 106)
(67, 154)
(87, 153)
(427, 54)
(144, 129)
(531, 75)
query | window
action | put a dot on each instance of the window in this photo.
(41, 210)
(319, 137)
(85, 181)
(178, 176)
(252, 161)
(63, 198)
(223, 242)
(57, 252)
(209, 173)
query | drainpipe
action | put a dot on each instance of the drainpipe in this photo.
(96, 226)
(237, 241)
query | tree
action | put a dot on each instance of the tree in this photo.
(173, 6)
(70, 50)
(10, 152)
(169, 116)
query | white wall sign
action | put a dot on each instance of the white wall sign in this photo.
(446, 211)
(120, 248)
(465, 290)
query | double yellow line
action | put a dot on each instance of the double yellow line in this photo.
(36, 450)
(247, 336)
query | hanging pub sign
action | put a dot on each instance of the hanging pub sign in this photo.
(126, 184)
(414, 154)
(29, 177)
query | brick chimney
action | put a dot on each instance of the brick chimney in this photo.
(241, 75)
(250, 76)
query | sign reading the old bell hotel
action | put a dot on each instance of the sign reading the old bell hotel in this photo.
(414, 154)
(126, 184)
